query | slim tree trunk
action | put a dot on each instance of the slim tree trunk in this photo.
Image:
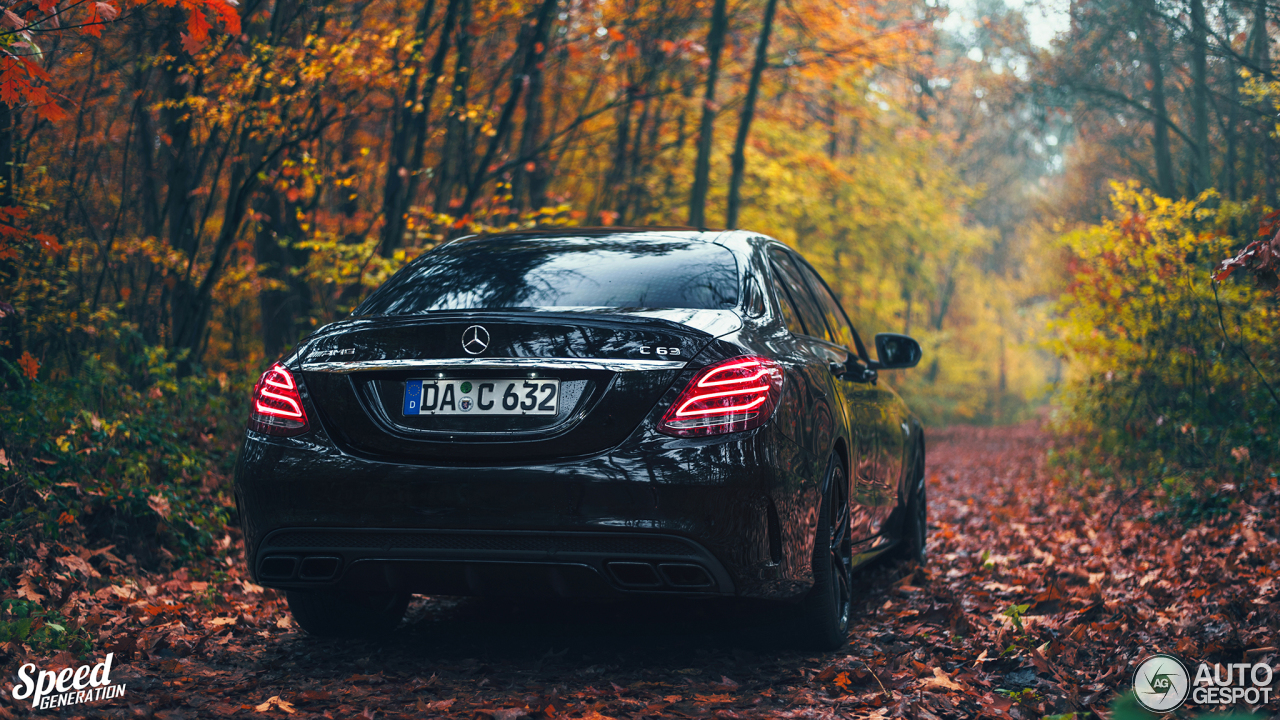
(1160, 135)
(395, 189)
(6, 155)
(282, 304)
(613, 193)
(522, 64)
(1200, 96)
(528, 182)
(1262, 59)
(456, 145)
(748, 112)
(428, 95)
(702, 167)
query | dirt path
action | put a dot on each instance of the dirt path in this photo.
(1091, 582)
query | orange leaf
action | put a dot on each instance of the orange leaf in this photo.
(49, 242)
(34, 70)
(30, 366)
(197, 26)
(9, 93)
(107, 11)
(191, 46)
(227, 14)
(53, 113)
(93, 25)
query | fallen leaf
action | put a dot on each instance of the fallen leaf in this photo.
(941, 679)
(275, 703)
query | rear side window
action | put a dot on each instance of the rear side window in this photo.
(624, 270)
(803, 302)
(789, 316)
(830, 307)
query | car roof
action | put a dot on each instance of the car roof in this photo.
(732, 240)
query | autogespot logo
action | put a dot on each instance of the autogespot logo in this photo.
(1161, 683)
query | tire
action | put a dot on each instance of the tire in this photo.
(822, 618)
(347, 615)
(915, 526)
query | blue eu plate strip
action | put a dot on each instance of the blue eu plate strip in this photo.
(412, 397)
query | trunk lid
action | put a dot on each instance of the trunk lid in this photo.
(611, 366)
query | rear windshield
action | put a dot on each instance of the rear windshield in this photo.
(617, 271)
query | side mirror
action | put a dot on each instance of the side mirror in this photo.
(896, 351)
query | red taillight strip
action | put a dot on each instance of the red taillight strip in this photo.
(727, 410)
(704, 382)
(270, 378)
(749, 407)
(277, 404)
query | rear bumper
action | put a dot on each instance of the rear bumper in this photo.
(490, 563)
(711, 517)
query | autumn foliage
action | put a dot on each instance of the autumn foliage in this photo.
(1171, 365)
(188, 187)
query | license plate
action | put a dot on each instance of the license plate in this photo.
(502, 396)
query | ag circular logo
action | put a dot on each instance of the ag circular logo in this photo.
(1161, 683)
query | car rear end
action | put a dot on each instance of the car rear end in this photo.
(572, 428)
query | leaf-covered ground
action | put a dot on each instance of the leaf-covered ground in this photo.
(1040, 596)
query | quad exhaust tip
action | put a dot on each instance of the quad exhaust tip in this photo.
(643, 575)
(288, 567)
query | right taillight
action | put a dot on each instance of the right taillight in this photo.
(277, 404)
(731, 396)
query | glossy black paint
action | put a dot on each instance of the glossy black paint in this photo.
(571, 504)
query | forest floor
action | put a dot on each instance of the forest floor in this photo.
(1040, 596)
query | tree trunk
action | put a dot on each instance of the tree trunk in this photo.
(528, 185)
(6, 155)
(613, 193)
(1160, 135)
(283, 305)
(702, 167)
(456, 143)
(1262, 59)
(428, 95)
(1203, 178)
(1259, 46)
(523, 60)
(748, 112)
(395, 200)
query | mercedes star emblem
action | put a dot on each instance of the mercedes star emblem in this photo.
(475, 340)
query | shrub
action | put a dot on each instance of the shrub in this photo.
(92, 458)
(1171, 371)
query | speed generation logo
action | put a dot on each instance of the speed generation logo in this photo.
(1161, 683)
(48, 689)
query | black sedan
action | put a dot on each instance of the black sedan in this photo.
(584, 413)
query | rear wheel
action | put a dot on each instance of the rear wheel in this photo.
(915, 528)
(822, 618)
(337, 614)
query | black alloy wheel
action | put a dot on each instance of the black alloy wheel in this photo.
(823, 616)
(347, 615)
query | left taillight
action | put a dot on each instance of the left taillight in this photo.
(731, 396)
(277, 404)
